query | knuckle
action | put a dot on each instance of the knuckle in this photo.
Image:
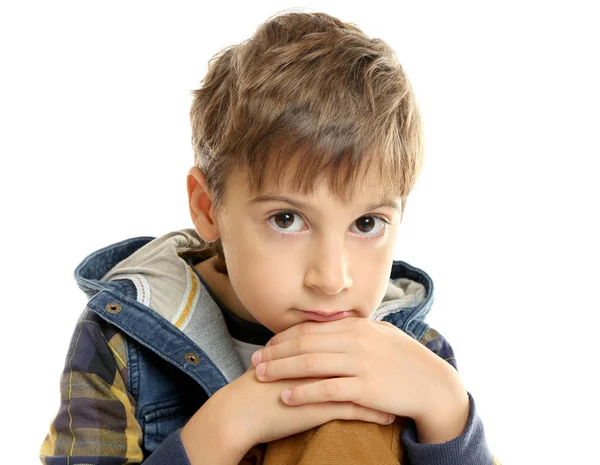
(329, 389)
(310, 363)
(273, 352)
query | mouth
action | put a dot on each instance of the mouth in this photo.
(325, 316)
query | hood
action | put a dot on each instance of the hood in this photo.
(157, 272)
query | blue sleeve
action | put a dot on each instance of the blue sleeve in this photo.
(170, 451)
(470, 448)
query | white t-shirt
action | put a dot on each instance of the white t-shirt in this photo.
(245, 351)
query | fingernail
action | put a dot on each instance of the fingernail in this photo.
(268, 343)
(260, 370)
(256, 358)
(285, 395)
(391, 418)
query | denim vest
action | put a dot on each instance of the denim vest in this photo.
(169, 375)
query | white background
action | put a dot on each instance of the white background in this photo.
(95, 148)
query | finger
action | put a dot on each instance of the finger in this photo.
(352, 411)
(306, 366)
(327, 390)
(303, 344)
(313, 327)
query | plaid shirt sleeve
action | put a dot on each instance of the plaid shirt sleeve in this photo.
(438, 344)
(95, 423)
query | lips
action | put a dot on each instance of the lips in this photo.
(321, 316)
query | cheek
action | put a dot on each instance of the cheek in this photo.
(372, 277)
(263, 280)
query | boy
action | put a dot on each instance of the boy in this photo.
(279, 329)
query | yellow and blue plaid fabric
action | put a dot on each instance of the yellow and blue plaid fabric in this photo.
(95, 423)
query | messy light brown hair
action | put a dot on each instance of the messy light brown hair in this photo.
(311, 93)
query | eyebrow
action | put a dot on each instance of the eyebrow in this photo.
(306, 206)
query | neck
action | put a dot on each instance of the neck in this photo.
(221, 287)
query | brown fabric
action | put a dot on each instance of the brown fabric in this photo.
(339, 441)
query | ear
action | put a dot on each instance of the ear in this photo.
(201, 205)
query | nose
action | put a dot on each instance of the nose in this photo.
(328, 270)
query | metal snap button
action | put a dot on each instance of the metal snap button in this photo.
(192, 358)
(113, 307)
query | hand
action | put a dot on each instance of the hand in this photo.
(370, 363)
(255, 411)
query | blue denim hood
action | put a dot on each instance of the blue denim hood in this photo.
(147, 288)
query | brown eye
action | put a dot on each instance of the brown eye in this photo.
(369, 226)
(290, 222)
(284, 220)
(365, 223)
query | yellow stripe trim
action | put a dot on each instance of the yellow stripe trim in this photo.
(190, 299)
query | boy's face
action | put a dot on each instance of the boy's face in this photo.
(288, 254)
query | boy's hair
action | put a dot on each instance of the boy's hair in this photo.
(310, 93)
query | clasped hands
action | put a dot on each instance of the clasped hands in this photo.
(369, 363)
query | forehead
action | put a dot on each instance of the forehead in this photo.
(365, 186)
